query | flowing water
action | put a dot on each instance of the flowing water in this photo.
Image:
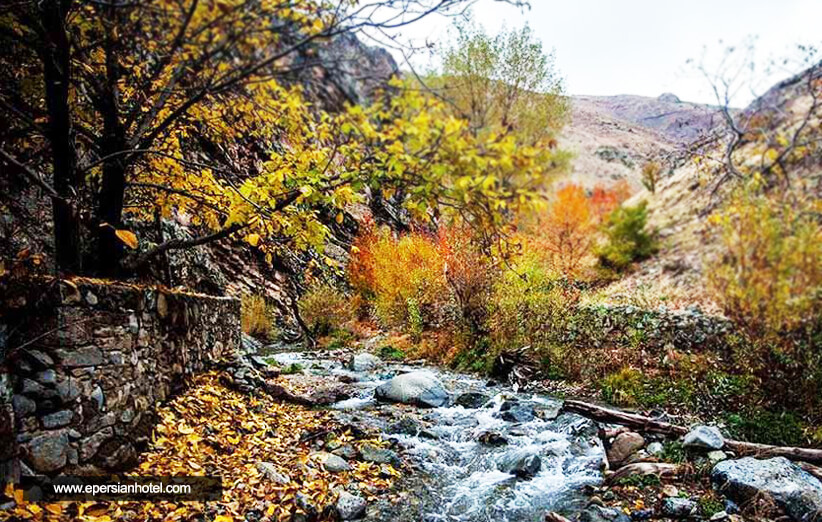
(460, 477)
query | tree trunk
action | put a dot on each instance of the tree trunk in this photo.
(56, 58)
(112, 193)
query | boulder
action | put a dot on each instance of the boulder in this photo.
(350, 507)
(522, 463)
(515, 411)
(420, 388)
(364, 362)
(795, 490)
(624, 445)
(472, 400)
(47, 452)
(677, 507)
(704, 438)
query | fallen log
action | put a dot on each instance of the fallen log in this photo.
(632, 420)
(647, 424)
(664, 471)
(766, 450)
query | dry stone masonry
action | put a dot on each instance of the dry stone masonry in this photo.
(87, 363)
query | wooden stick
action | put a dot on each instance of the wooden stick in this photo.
(642, 423)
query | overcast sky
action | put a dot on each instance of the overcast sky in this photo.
(606, 47)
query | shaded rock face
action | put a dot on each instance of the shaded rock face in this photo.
(792, 488)
(418, 388)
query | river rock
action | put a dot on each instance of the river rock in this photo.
(492, 438)
(269, 470)
(420, 388)
(346, 451)
(624, 445)
(798, 492)
(521, 463)
(350, 507)
(676, 507)
(405, 426)
(594, 513)
(472, 400)
(370, 453)
(515, 411)
(716, 456)
(704, 438)
(364, 362)
(655, 448)
(333, 463)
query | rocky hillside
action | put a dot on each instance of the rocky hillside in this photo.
(613, 136)
(685, 198)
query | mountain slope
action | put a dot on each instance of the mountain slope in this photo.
(687, 196)
(613, 136)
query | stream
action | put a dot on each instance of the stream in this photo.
(492, 455)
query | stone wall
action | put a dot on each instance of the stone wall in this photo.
(86, 364)
(654, 330)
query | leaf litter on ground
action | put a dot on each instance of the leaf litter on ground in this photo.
(215, 431)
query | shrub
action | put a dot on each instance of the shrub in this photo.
(469, 274)
(650, 175)
(627, 238)
(568, 231)
(324, 310)
(766, 427)
(360, 268)
(625, 387)
(256, 318)
(404, 277)
(768, 279)
(530, 306)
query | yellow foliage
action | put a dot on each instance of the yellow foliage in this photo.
(768, 276)
(210, 430)
(256, 319)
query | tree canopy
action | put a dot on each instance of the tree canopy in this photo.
(503, 81)
(192, 107)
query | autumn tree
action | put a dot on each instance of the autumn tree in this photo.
(568, 231)
(503, 81)
(650, 175)
(191, 107)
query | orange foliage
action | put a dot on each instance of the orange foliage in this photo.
(567, 232)
(468, 272)
(361, 264)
